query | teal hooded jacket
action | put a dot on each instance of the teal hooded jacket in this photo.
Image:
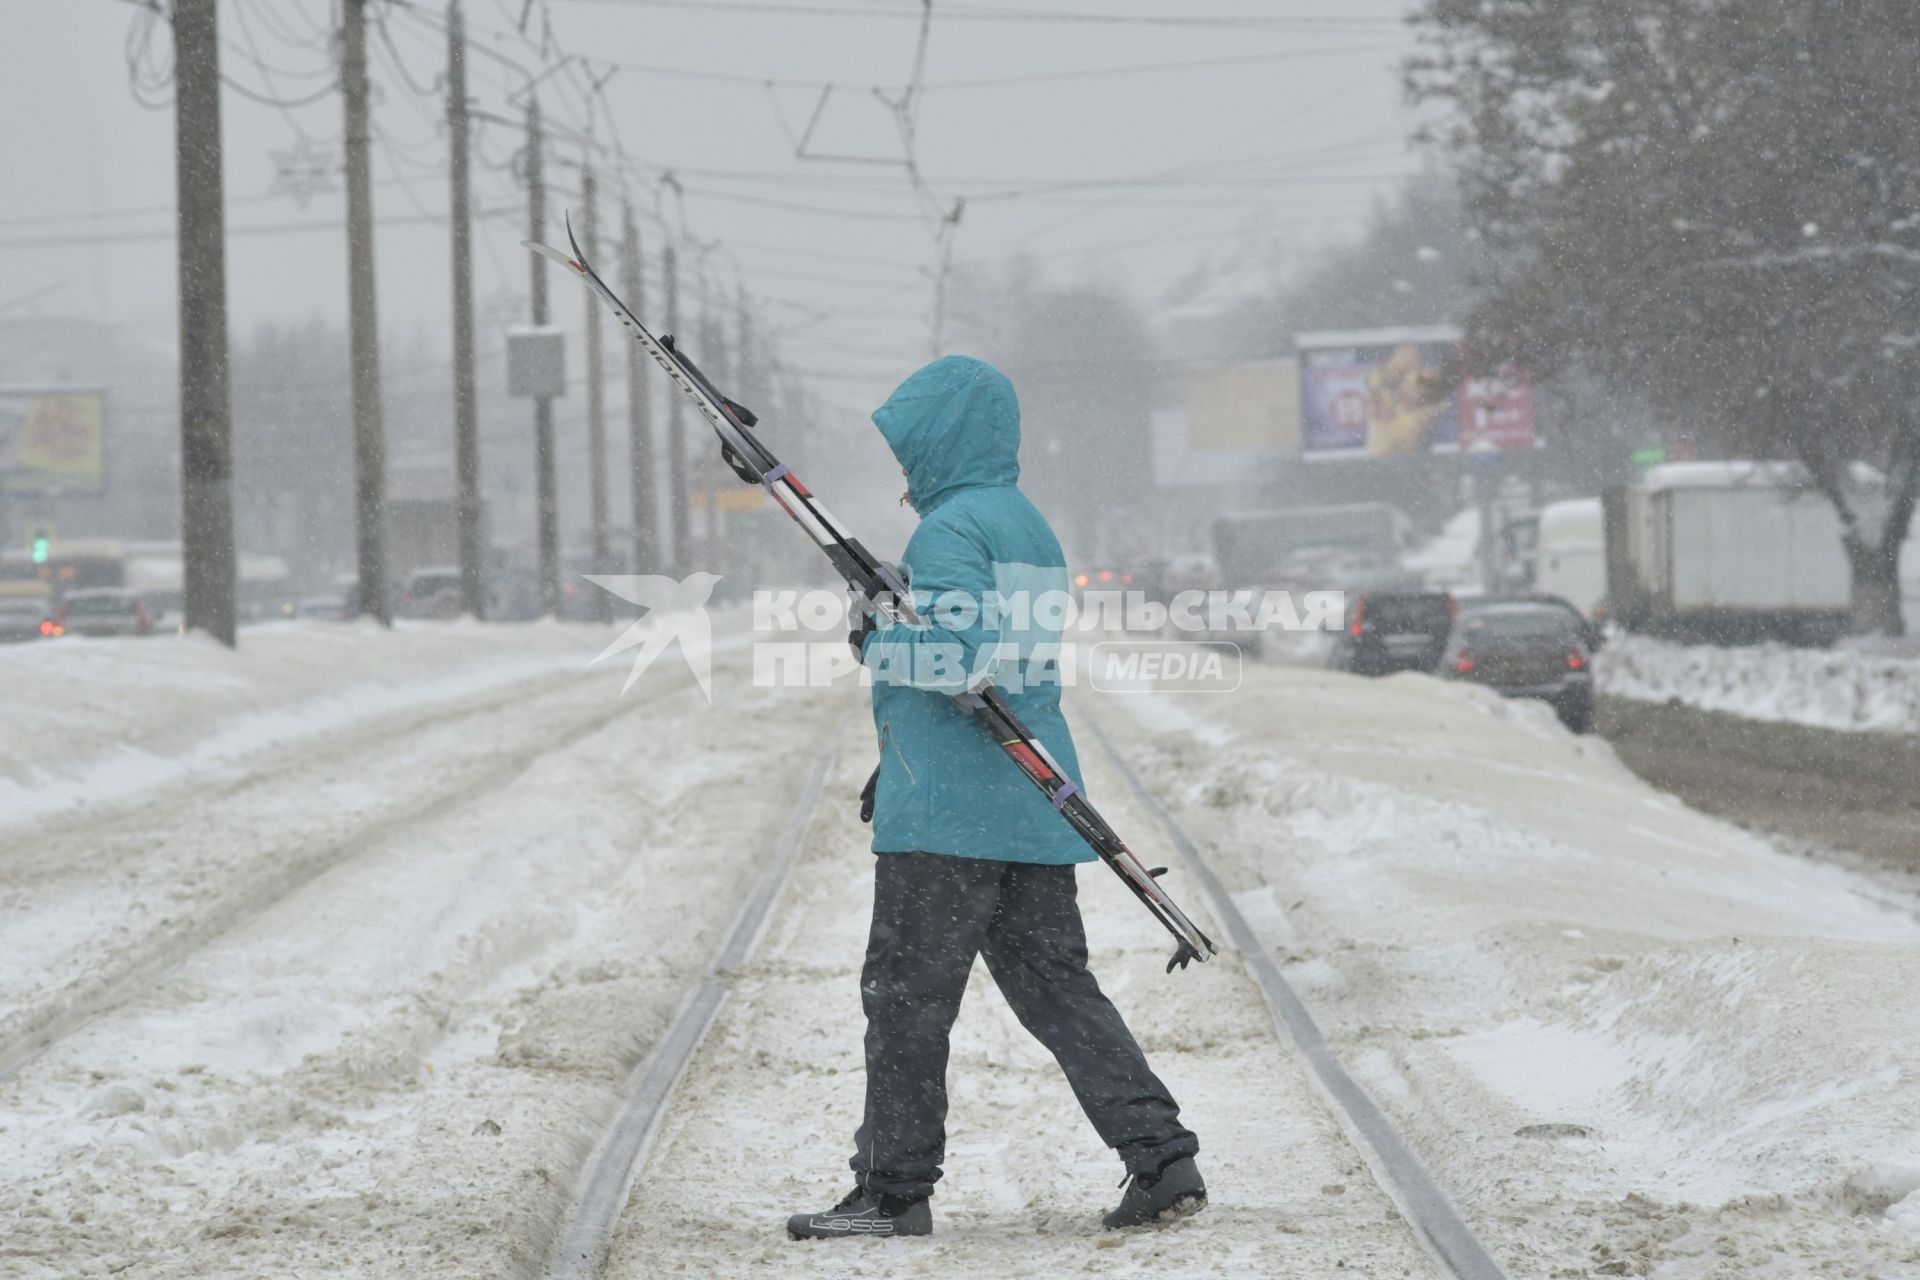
(987, 578)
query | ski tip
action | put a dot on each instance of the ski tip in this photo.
(548, 251)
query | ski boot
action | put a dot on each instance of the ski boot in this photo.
(1175, 1192)
(864, 1213)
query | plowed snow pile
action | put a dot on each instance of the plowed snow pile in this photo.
(1631, 1040)
(86, 722)
(359, 1000)
(1851, 688)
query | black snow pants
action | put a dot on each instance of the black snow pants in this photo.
(931, 915)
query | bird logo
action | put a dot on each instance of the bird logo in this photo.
(675, 610)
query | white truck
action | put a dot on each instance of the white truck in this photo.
(1726, 552)
(1570, 553)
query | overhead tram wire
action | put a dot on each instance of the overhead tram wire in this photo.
(257, 229)
(596, 93)
(577, 73)
(981, 13)
(150, 75)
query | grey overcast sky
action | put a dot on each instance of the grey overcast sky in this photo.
(1276, 128)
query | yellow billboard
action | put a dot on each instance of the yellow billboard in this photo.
(51, 441)
(1255, 405)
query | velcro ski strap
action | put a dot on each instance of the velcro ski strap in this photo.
(1066, 792)
(773, 475)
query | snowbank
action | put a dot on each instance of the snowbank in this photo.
(1629, 1039)
(361, 1005)
(1854, 689)
(97, 721)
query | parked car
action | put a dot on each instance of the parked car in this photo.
(1389, 631)
(105, 611)
(430, 593)
(1526, 648)
(25, 618)
(336, 607)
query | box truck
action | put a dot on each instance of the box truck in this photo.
(1250, 546)
(1726, 553)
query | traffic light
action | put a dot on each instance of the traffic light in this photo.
(42, 545)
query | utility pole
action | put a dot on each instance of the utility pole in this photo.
(746, 379)
(206, 411)
(677, 479)
(466, 434)
(949, 229)
(646, 533)
(746, 383)
(713, 350)
(369, 436)
(547, 509)
(596, 402)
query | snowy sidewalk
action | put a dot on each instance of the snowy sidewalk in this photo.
(762, 1123)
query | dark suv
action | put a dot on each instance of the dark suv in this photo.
(1389, 631)
(1537, 647)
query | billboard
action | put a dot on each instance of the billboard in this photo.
(1394, 392)
(1251, 405)
(1239, 426)
(50, 440)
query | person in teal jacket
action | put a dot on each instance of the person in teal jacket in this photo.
(970, 857)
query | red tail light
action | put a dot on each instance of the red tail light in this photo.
(1463, 662)
(1359, 622)
(1576, 658)
(1106, 575)
(48, 627)
(1126, 579)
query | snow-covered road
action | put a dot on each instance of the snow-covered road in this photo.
(344, 972)
(764, 1121)
(362, 1005)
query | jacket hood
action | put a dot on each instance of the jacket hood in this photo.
(953, 425)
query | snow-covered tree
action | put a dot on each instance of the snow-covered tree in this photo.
(1715, 203)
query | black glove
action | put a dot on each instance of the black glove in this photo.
(864, 625)
(867, 794)
(866, 619)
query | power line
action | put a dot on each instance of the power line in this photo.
(948, 13)
(1147, 68)
(258, 229)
